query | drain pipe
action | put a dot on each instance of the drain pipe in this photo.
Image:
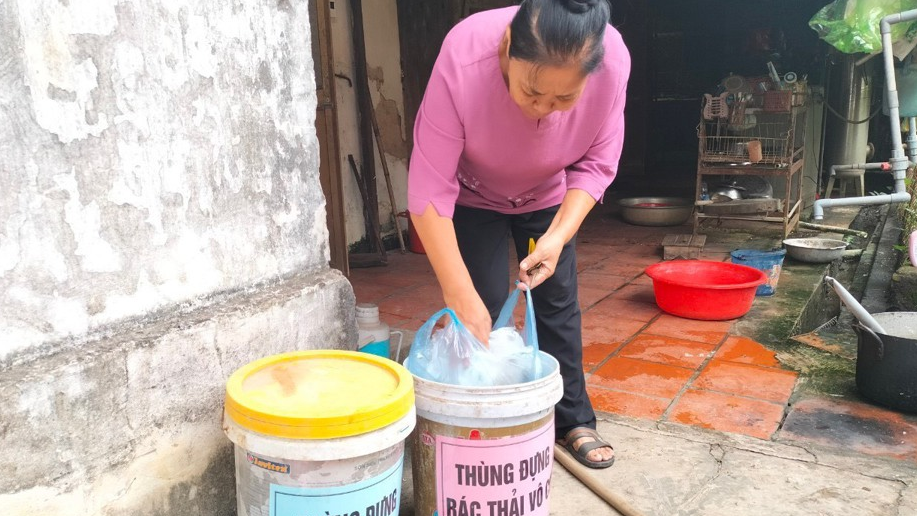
(886, 166)
(898, 162)
(861, 166)
(818, 210)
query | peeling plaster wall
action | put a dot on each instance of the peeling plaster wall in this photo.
(161, 224)
(153, 152)
(383, 56)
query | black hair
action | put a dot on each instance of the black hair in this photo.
(558, 32)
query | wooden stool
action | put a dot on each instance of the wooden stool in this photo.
(845, 182)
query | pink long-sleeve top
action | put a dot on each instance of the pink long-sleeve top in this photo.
(473, 146)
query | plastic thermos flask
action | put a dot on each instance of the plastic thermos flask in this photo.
(374, 336)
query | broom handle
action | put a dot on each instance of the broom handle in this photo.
(388, 178)
(582, 473)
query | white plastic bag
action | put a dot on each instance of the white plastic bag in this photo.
(453, 355)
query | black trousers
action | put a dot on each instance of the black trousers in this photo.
(483, 238)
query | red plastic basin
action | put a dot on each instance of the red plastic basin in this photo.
(705, 290)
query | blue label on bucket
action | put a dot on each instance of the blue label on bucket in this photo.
(377, 496)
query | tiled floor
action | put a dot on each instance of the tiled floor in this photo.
(639, 361)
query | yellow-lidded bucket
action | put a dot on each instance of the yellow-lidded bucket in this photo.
(318, 431)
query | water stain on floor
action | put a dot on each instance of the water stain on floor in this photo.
(860, 427)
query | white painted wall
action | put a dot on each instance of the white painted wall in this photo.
(153, 152)
(383, 57)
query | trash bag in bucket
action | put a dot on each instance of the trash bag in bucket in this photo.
(453, 355)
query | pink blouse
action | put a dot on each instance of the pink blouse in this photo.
(474, 147)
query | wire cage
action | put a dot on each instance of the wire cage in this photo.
(737, 137)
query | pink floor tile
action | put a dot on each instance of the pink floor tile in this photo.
(763, 383)
(601, 330)
(602, 280)
(635, 292)
(627, 403)
(641, 377)
(615, 309)
(589, 296)
(596, 353)
(711, 332)
(727, 413)
(746, 351)
(667, 350)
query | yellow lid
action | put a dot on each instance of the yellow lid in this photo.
(319, 394)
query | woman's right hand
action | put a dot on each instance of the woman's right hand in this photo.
(471, 311)
(438, 236)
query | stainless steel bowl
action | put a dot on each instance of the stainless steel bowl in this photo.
(656, 211)
(814, 250)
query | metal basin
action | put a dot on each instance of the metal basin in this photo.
(656, 211)
(814, 250)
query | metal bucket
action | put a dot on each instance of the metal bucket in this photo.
(886, 370)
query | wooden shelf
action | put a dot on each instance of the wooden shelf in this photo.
(785, 162)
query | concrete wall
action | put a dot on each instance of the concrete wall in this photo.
(130, 424)
(161, 224)
(157, 151)
(383, 56)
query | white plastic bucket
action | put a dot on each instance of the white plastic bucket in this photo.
(319, 432)
(485, 450)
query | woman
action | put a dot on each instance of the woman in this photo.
(519, 134)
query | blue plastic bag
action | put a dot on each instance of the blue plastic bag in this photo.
(453, 355)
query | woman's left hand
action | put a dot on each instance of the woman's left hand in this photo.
(547, 254)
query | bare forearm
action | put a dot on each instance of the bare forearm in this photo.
(573, 210)
(438, 236)
(441, 245)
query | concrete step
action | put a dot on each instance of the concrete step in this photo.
(868, 283)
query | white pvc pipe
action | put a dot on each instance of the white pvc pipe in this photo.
(860, 166)
(898, 161)
(818, 210)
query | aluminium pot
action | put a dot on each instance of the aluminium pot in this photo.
(886, 370)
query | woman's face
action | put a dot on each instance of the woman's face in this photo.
(542, 90)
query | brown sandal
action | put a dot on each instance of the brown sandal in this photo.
(584, 449)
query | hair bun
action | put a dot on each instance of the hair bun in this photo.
(580, 6)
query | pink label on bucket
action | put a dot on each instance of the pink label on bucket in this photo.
(510, 476)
